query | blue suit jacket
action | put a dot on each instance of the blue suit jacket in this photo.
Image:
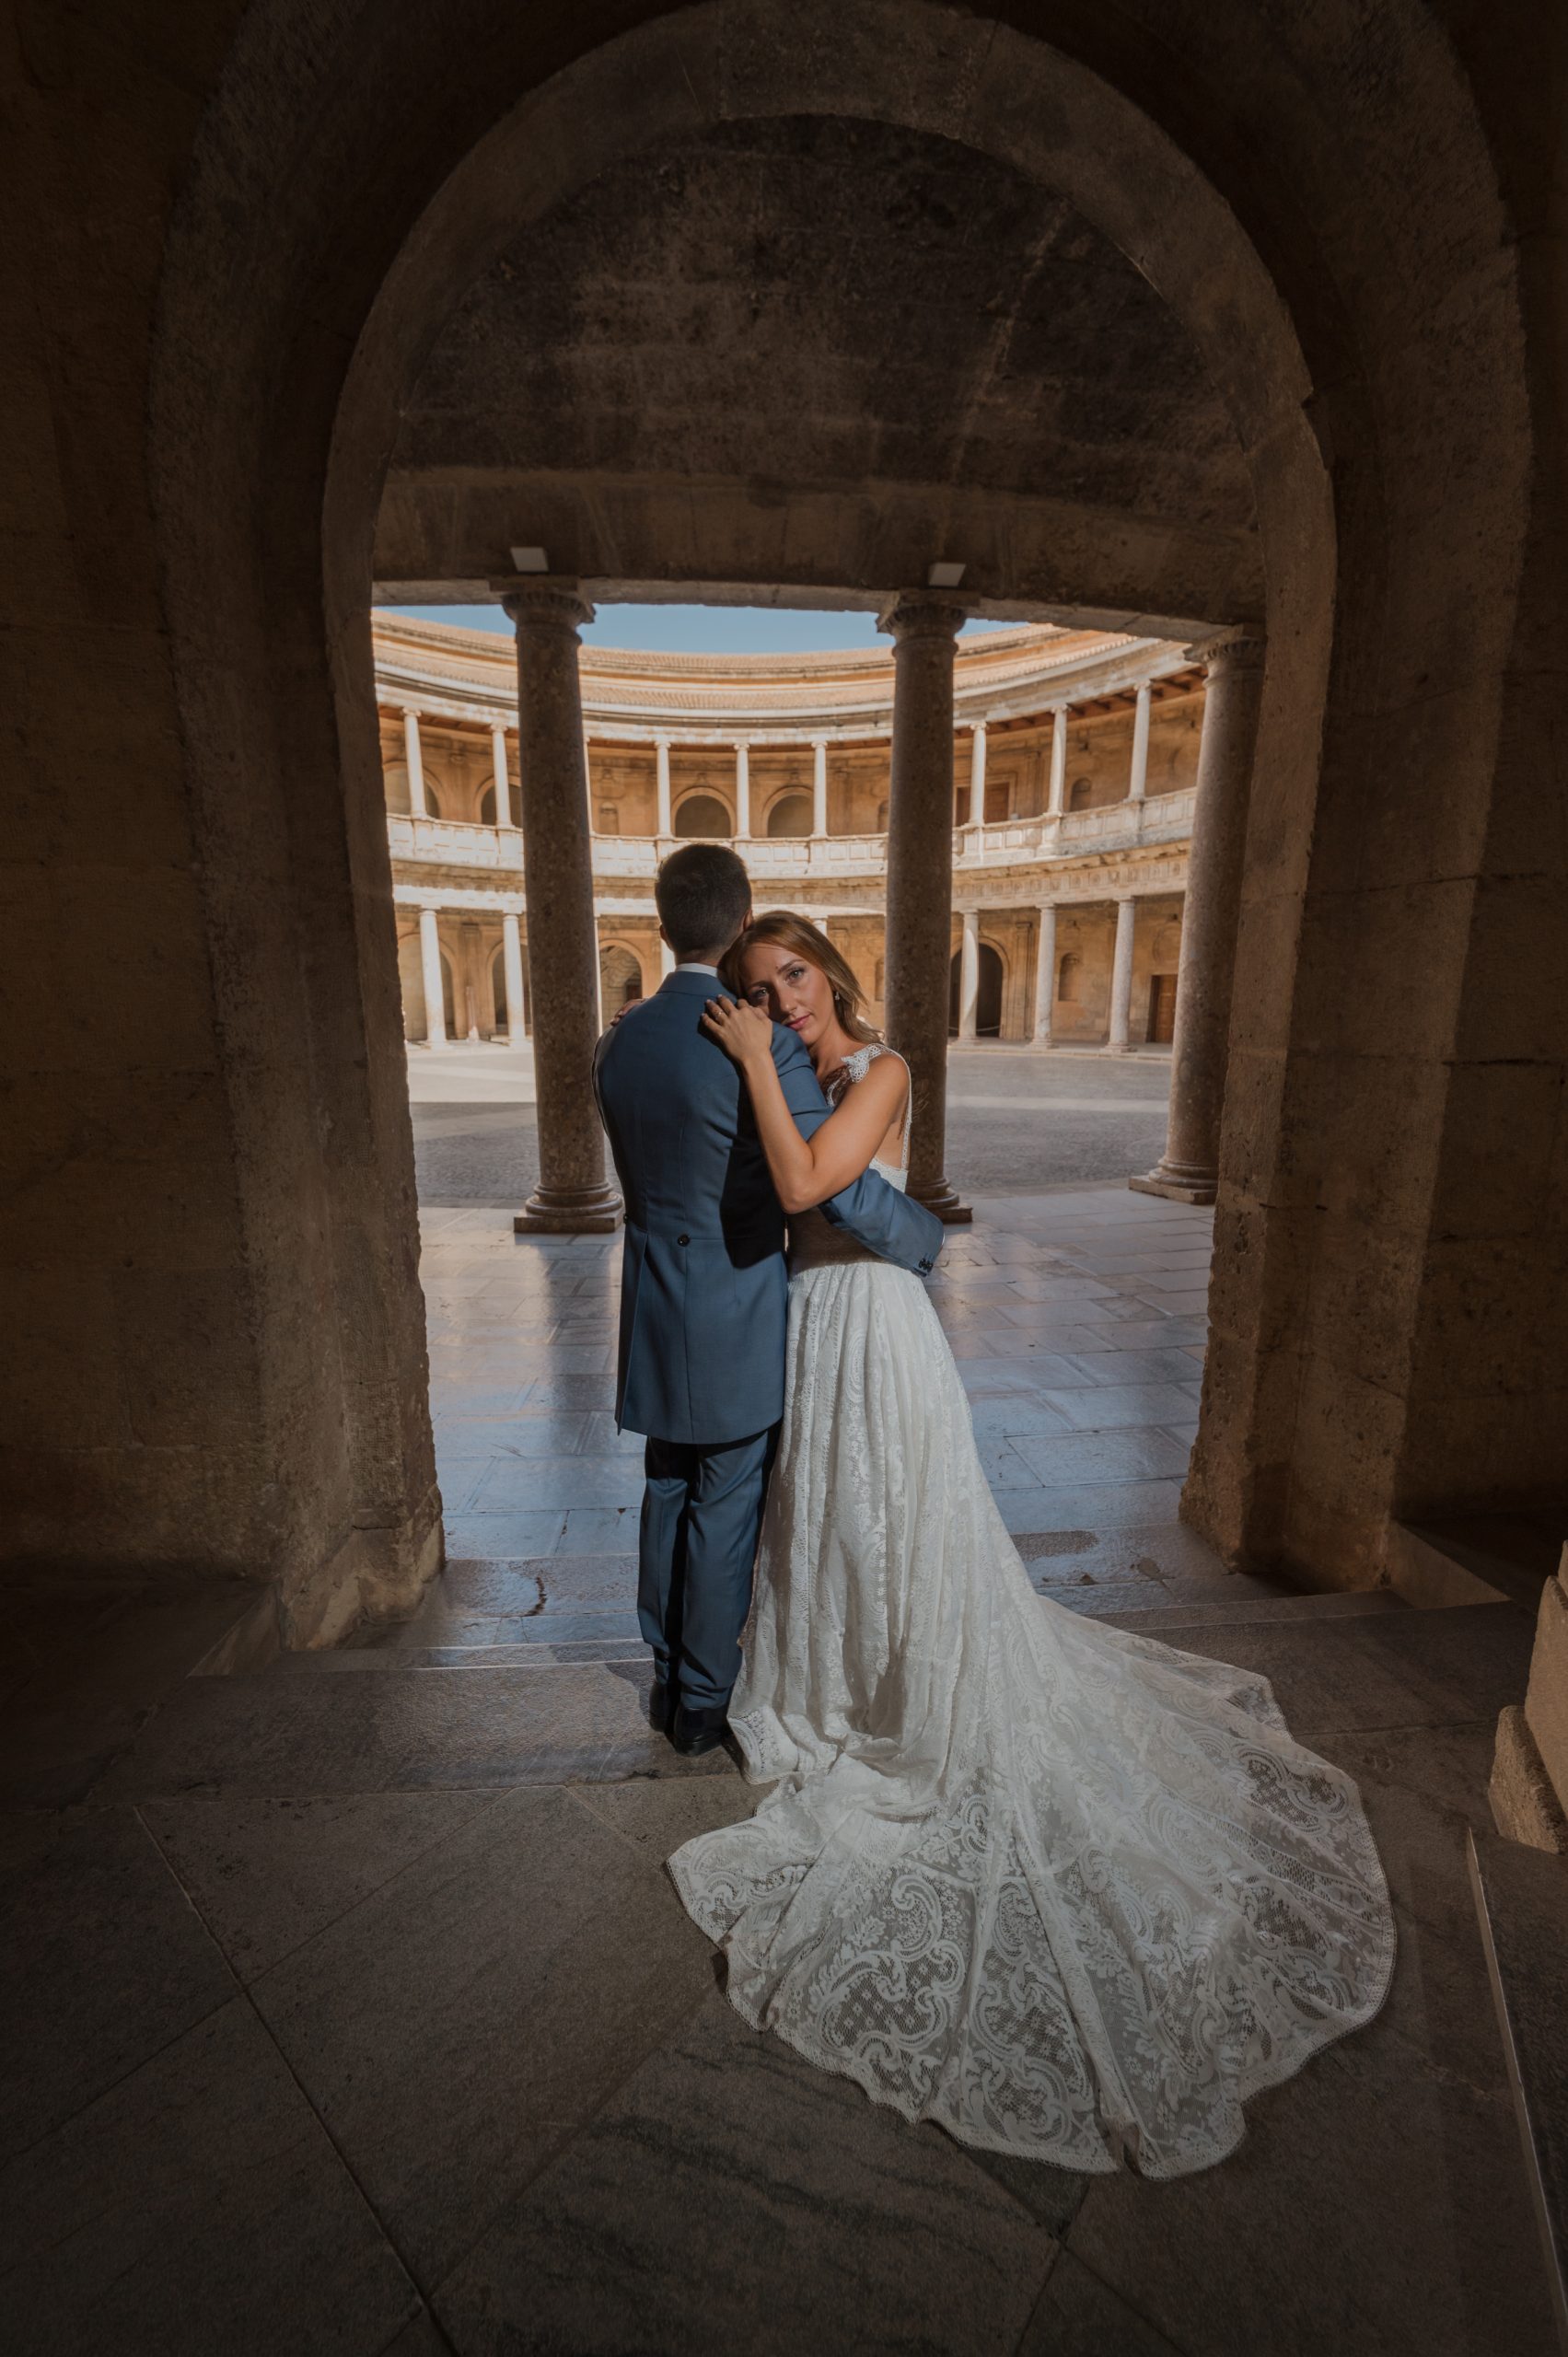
(704, 1289)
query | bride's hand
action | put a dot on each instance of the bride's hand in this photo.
(745, 1033)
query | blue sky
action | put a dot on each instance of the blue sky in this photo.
(695, 630)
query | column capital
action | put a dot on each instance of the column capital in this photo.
(545, 601)
(1243, 653)
(922, 613)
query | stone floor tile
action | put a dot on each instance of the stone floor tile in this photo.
(552, 1433)
(1130, 1453)
(455, 2026)
(583, 1579)
(1106, 1406)
(1190, 1303)
(1132, 1366)
(102, 1963)
(1354, 2200)
(560, 1628)
(860, 2235)
(421, 2337)
(1169, 1551)
(1096, 1507)
(1015, 1412)
(1171, 1333)
(1388, 1671)
(283, 1736)
(476, 1586)
(571, 1391)
(599, 1530)
(266, 1876)
(498, 1537)
(657, 1817)
(526, 1484)
(1080, 2316)
(197, 2206)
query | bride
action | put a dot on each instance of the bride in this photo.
(1068, 1892)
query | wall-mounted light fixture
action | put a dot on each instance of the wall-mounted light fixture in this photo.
(944, 576)
(530, 561)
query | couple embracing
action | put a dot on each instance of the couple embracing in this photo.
(1064, 1890)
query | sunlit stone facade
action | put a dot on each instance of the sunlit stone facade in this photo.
(1074, 763)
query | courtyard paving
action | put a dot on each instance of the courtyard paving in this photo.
(352, 2009)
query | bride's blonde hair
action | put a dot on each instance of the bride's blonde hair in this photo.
(788, 931)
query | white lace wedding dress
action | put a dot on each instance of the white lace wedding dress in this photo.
(1071, 1893)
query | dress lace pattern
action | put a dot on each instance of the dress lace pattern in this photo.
(1062, 1890)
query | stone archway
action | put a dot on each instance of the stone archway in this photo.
(1312, 357)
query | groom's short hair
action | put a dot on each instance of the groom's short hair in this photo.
(702, 894)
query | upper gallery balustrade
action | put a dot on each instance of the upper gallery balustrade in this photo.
(1022, 842)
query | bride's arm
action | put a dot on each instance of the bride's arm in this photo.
(806, 1170)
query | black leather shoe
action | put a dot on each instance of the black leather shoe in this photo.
(661, 1706)
(698, 1731)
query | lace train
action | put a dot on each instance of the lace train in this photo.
(1066, 1891)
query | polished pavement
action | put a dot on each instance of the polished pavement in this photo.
(352, 2009)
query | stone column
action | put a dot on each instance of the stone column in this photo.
(1188, 1171)
(1138, 782)
(416, 802)
(742, 789)
(571, 1195)
(922, 627)
(1121, 975)
(977, 776)
(818, 786)
(430, 968)
(502, 785)
(512, 970)
(665, 823)
(1045, 976)
(1060, 714)
(969, 978)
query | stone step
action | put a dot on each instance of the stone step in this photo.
(1521, 1898)
(390, 1660)
(1224, 1612)
(1477, 1558)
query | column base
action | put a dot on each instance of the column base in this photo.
(569, 1211)
(943, 1198)
(1178, 1183)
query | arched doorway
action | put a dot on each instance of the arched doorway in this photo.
(620, 978)
(987, 998)
(1090, 127)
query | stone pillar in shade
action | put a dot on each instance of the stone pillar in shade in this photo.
(1121, 975)
(922, 626)
(664, 824)
(572, 1196)
(969, 978)
(818, 786)
(502, 788)
(1045, 976)
(1138, 782)
(430, 969)
(742, 789)
(1060, 714)
(977, 776)
(512, 970)
(415, 759)
(1188, 1171)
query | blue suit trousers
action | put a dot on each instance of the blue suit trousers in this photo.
(702, 1515)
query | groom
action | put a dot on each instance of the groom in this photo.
(704, 1290)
